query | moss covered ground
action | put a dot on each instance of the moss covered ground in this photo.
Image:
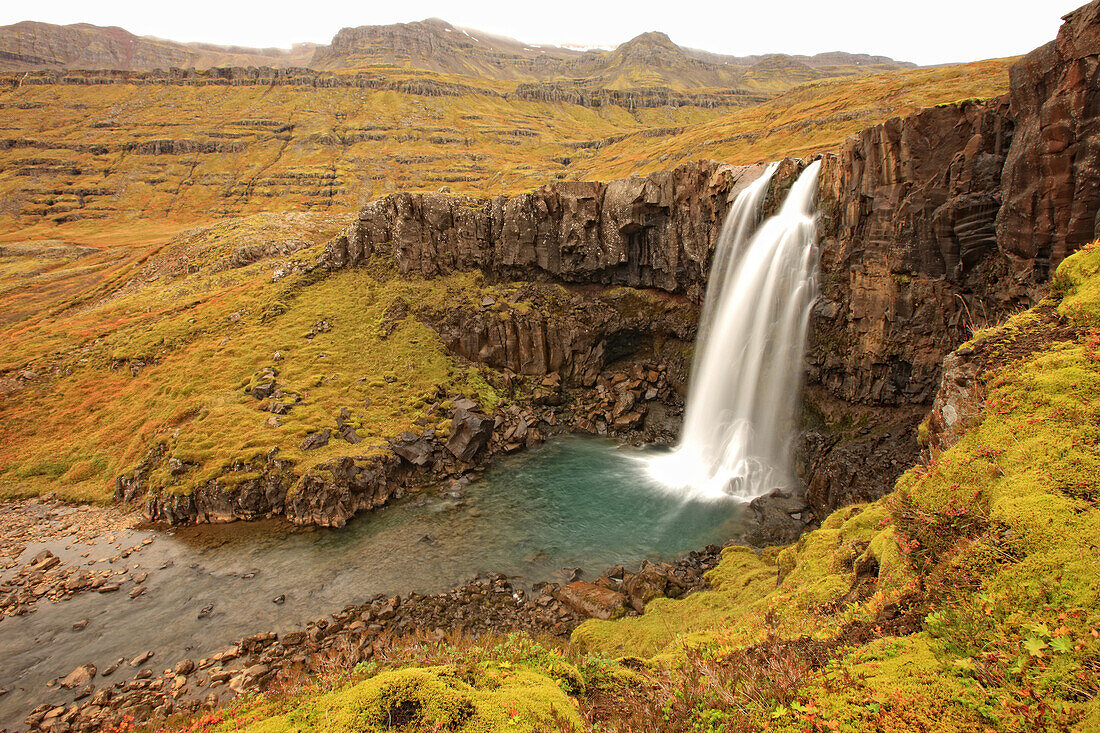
(165, 352)
(968, 599)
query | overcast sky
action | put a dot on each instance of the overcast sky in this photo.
(924, 31)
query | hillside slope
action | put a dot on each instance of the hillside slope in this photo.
(82, 155)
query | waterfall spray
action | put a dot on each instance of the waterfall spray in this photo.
(743, 396)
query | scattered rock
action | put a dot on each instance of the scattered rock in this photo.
(141, 659)
(317, 440)
(79, 677)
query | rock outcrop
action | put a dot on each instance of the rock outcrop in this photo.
(908, 249)
(655, 231)
(959, 401)
(1051, 183)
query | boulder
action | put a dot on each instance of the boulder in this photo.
(648, 583)
(417, 451)
(349, 434)
(589, 599)
(470, 432)
(263, 390)
(317, 440)
(79, 677)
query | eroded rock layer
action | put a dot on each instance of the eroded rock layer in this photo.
(1051, 184)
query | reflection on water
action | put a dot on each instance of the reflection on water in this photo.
(575, 502)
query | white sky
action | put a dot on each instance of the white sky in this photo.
(923, 31)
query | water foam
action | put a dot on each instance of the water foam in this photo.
(747, 372)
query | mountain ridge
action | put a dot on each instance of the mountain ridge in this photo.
(648, 60)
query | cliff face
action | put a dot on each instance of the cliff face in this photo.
(1051, 184)
(947, 218)
(651, 232)
(909, 250)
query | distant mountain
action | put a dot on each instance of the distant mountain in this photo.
(652, 60)
(31, 45)
(826, 62)
(649, 61)
(436, 45)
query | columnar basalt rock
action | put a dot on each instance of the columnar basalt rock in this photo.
(908, 250)
(649, 232)
(574, 333)
(1051, 183)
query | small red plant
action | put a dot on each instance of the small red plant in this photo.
(1092, 344)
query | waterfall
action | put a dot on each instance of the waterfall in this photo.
(747, 372)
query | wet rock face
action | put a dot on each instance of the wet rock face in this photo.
(1052, 175)
(908, 250)
(850, 469)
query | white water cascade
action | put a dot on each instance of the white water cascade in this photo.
(747, 372)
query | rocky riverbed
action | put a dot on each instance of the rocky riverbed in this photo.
(489, 604)
(157, 621)
(77, 549)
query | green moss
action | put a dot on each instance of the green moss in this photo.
(204, 343)
(924, 431)
(1076, 280)
(427, 698)
(894, 684)
(739, 582)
